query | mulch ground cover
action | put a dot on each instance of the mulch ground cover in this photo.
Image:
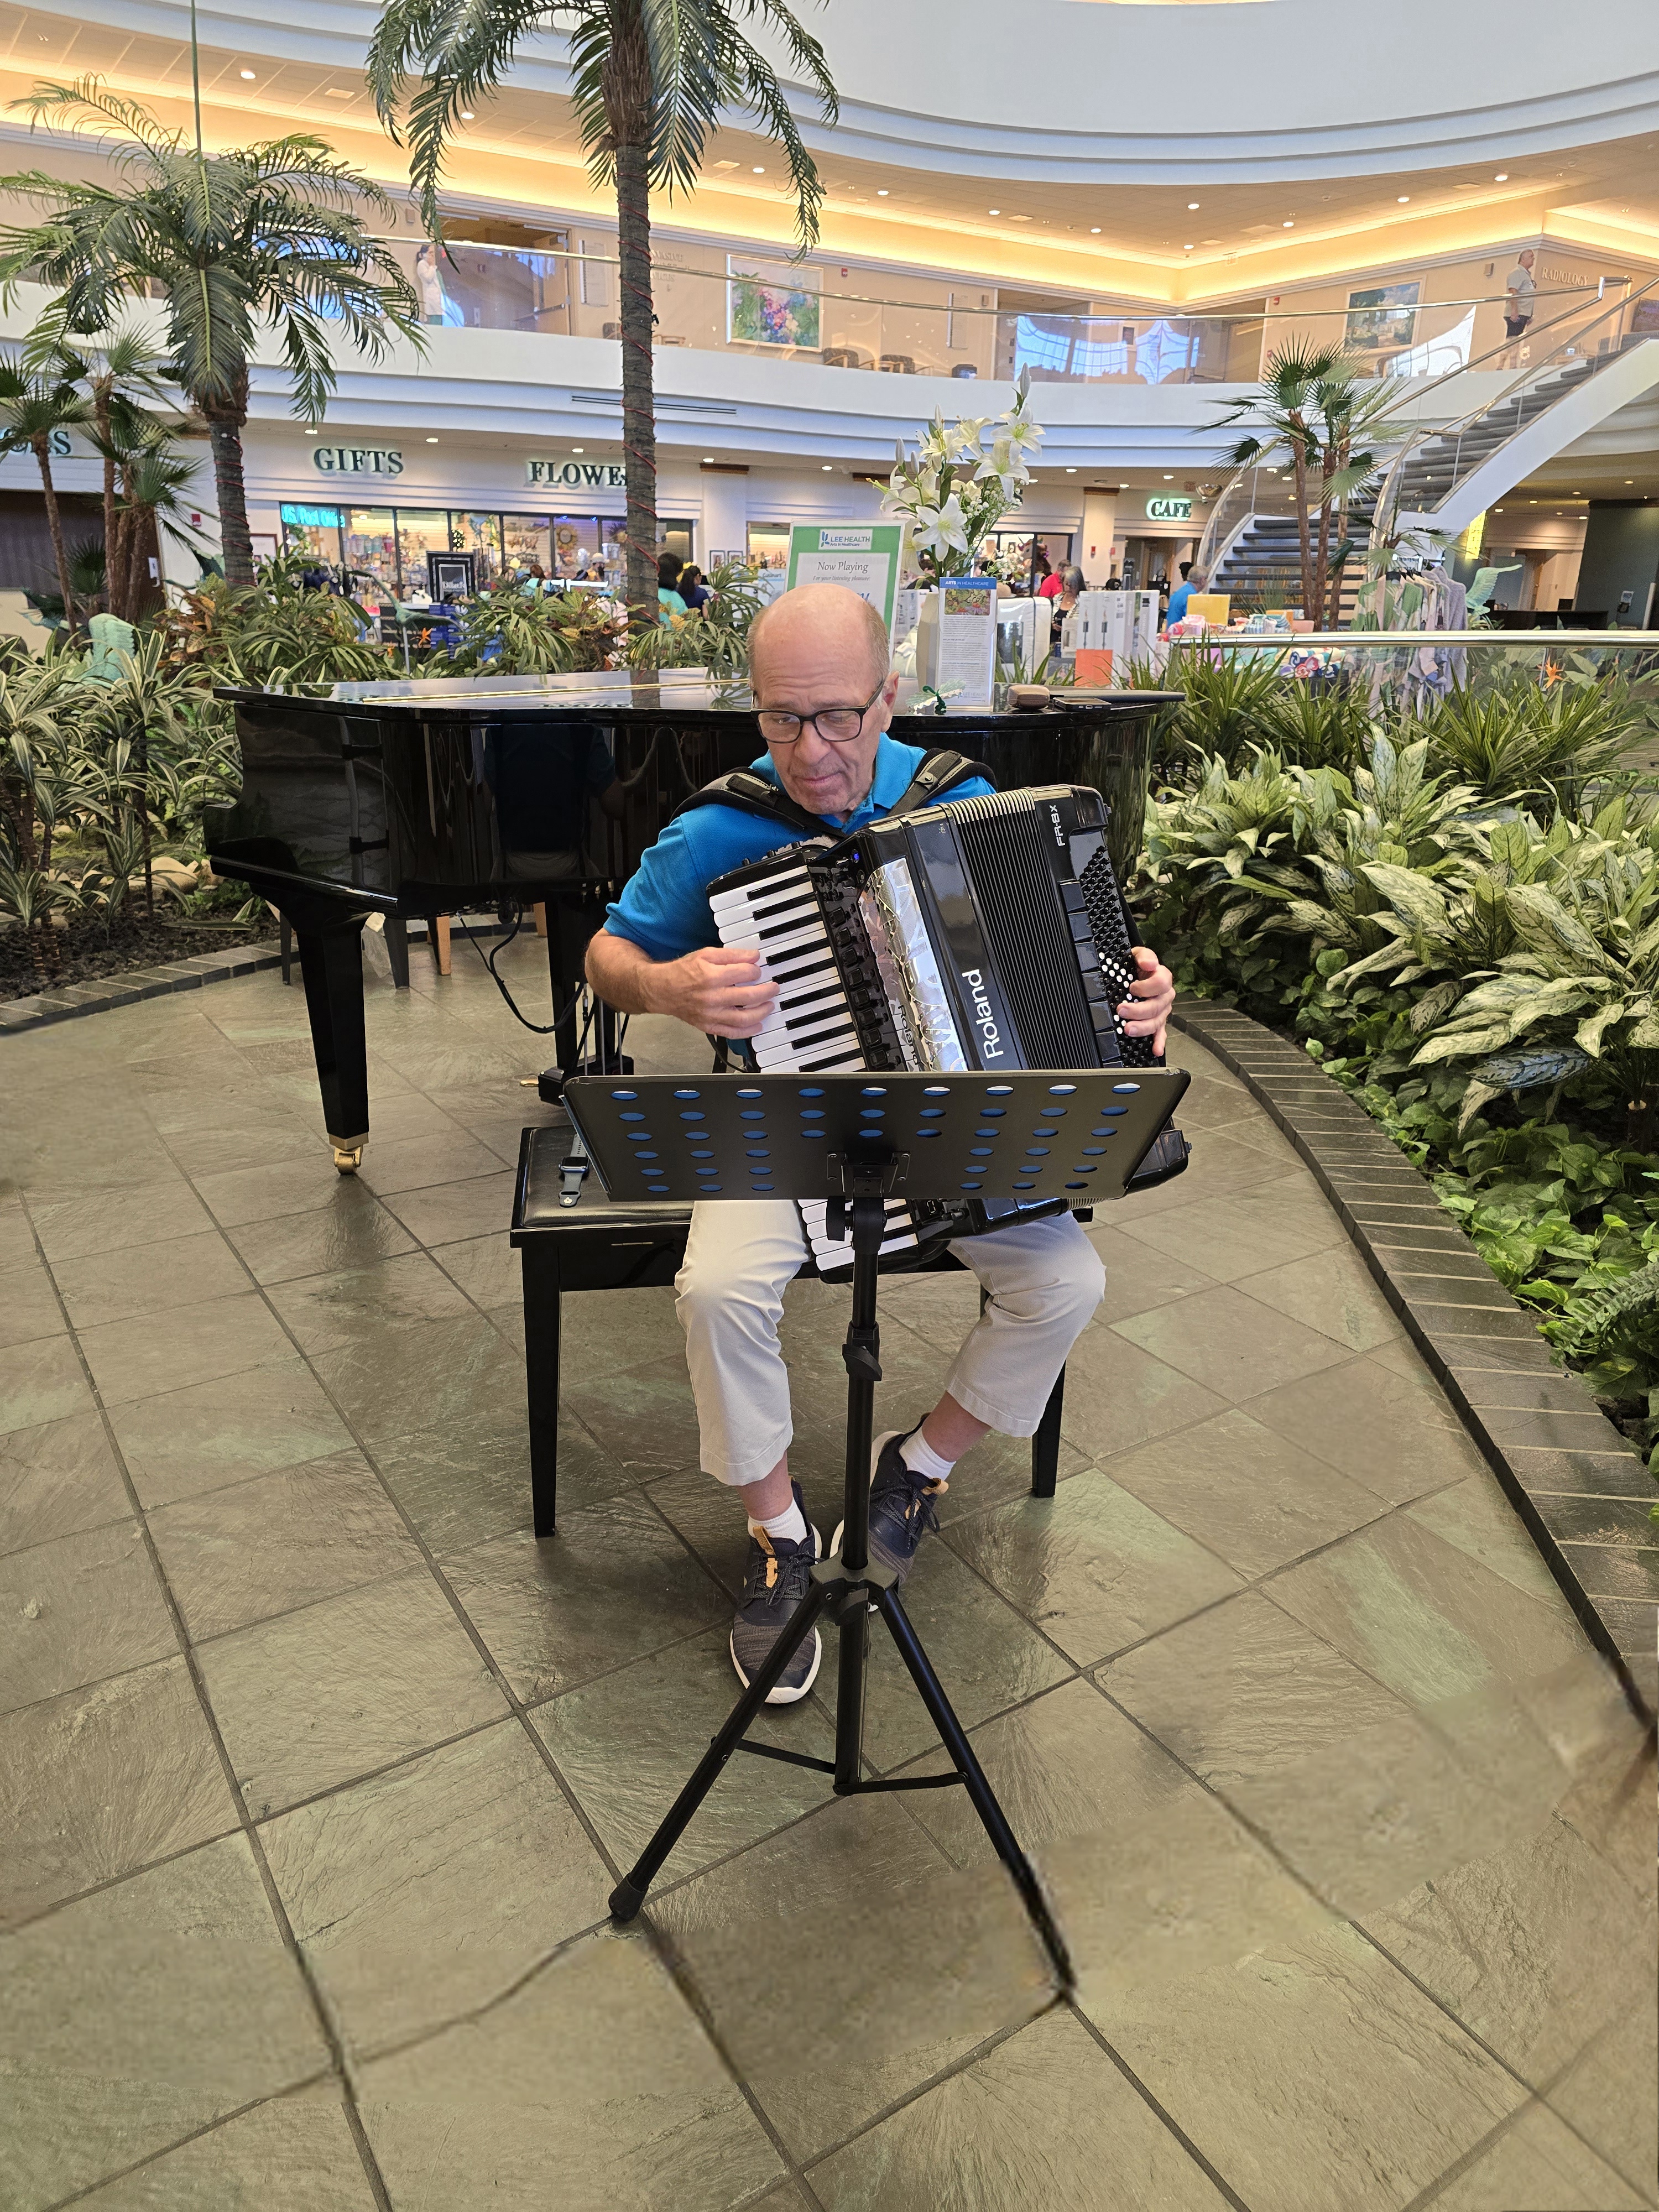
(88, 949)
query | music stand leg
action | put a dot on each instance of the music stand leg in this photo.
(629, 1893)
(860, 1354)
(993, 1818)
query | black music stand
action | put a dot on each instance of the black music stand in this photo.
(861, 1139)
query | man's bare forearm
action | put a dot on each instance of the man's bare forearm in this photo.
(622, 973)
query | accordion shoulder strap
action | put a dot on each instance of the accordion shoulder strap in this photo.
(752, 794)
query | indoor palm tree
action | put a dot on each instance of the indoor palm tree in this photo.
(268, 236)
(1310, 407)
(34, 406)
(650, 79)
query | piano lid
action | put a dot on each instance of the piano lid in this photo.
(622, 693)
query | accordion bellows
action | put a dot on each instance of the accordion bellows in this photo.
(981, 934)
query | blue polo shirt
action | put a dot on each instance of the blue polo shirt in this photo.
(664, 908)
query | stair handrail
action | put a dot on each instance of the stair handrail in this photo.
(1413, 394)
(1385, 508)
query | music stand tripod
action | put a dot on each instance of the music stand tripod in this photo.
(861, 1139)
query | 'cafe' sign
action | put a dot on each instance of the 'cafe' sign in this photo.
(1163, 507)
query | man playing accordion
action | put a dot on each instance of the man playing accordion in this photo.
(821, 682)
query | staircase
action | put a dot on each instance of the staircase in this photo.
(1441, 479)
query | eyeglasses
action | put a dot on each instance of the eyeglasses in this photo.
(836, 726)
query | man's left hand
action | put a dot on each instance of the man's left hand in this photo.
(1146, 1011)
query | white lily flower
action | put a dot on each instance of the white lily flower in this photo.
(941, 530)
(968, 438)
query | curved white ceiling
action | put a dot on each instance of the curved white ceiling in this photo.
(1077, 91)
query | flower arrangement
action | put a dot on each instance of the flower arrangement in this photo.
(955, 490)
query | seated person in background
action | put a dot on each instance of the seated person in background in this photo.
(693, 589)
(668, 576)
(818, 660)
(1192, 579)
(1049, 588)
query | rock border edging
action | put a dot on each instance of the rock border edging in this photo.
(103, 992)
(1581, 1490)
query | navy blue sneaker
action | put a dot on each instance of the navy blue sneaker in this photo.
(902, 1509)
(772, 1592)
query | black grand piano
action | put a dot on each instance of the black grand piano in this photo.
(421, 798)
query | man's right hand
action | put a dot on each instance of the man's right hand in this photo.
(718, 990)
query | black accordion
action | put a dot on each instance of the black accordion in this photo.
(983, 934)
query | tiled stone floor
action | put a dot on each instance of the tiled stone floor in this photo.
(317, 1768)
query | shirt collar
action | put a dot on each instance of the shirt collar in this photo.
(889, 783)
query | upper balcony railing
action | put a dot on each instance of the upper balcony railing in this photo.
(777, 310)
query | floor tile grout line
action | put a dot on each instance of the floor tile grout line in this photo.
(196, 2134)
(246, 1827)
(1339, 1918)
(1159, 2110)
(1471, 2157)
(970, 2059)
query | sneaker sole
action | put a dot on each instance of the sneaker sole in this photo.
(782, 1697)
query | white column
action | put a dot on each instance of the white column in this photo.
(1094, 545)
(725, 521)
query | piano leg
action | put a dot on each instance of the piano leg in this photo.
(570, 927)
(331, 965)
(397, 949)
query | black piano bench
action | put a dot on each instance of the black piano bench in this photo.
(597, 1245)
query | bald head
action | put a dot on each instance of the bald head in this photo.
(828, 621)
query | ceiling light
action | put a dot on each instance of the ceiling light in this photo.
(1191, 207)
(994, 211)
(467, 115)
(310, 433)
(881, 191)
(1288, 226)
(1094, 230)
(579, 449)
(1502, 178)
(828, 468)
(759, 169)
(1169, 479)
(1630, 480)
(247, 74)
(1070, 472)
(708, 457)
(432, 441)
(1404, 200)
(1186, 249)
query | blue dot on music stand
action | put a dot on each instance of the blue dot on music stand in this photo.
(1076, 1186)
(1058, 1090)
(748, 1091)
(658, 1190)
(624, 1094)
(1125, 1086)
(930, 1132)
(973, 1186)
(688, 1094)
(1024, 1185)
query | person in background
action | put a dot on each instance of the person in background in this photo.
(429, 284)
(1113, 583)
(1041, 572)
(669, 566)
(1192, 580)
(1070, 583)
(1053, 583)
(1519, 303)
(693, 589)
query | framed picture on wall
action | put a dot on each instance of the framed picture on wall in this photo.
(772, 303)
(1383, 317)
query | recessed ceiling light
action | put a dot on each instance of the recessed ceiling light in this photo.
(1094, 230)
(1502, 178)
(1404, 200)
(708, 457)
(1070, 472)
(1532, 502)
(311, 433)
(1192, 206)
(246, 74)
(1186, 249)
(1288, 226)
(1169, 479)
(467, 115)
(881, 191)
(994, 211)
(828, 468)
(759, 169)
(432, 441)
(579, 449)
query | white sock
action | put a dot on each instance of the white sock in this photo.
(921, 1458)
(790, 1525)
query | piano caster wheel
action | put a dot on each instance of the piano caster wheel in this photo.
(347, 1158)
